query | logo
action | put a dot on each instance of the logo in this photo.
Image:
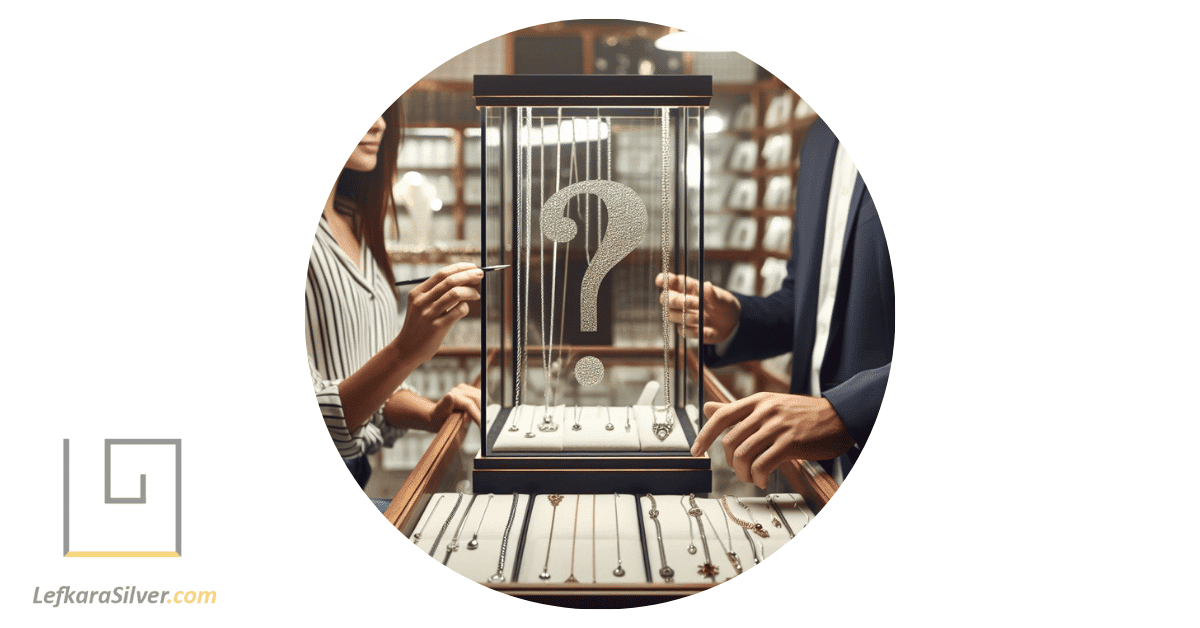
(129, 517)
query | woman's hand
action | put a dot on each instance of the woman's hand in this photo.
(409, 410)
(721, 308)
(434, 306)
(462, 398)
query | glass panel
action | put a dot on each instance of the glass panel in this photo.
(588, 206)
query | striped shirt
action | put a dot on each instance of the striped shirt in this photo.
(349, 315)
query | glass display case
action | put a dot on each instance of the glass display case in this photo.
(591, 188)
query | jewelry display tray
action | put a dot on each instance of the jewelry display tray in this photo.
(445, 469)
(630, 472)
(575, 543)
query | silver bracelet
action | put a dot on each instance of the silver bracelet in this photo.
(512, 514)
(452, 546)
(668, 574)
(445, 525)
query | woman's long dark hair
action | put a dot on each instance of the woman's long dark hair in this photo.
(368, 195)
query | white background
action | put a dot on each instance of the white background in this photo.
(1032, 162)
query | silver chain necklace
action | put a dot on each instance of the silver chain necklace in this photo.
(663, 430)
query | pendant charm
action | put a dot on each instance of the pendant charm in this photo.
(775, 522)
(760, 530)
(619, 571)
(496, 577)
(571, 578)
(668, 574)
(709, 570)
(662, 431)
(735, 561)
(691, 548)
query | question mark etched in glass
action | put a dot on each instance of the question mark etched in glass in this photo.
(627, 220)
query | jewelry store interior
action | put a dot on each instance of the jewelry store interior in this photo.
(588, 157)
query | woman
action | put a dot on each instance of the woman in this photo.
(359, 351)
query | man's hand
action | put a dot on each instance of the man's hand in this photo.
(770, 428)
(721, 308)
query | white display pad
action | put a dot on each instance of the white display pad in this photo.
(592, 435)
(644, 417)
(527, 419)
(477, 564)
(567, 530)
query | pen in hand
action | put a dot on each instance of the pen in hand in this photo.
(409, 282)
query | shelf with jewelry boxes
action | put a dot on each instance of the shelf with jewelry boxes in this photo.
(751, 201)
(597, 550)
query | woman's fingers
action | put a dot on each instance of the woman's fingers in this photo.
(443, 273)
(446, 280)
(452, 299)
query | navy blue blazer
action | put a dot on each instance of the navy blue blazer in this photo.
(858, 354)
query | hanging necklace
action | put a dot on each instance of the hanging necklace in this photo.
(663, 430)
(750, 540)
(776, 519)
(729, 553)
(555, 500)
(619, 571)
(416, 537)
(708, 569)
(512, 514)
(452, 546)
(802, 510)
(474, 542)
(753, 526)
(574, 533)
(593, 538)
(691, 537)
(522, 239)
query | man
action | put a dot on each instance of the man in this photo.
(835, 312)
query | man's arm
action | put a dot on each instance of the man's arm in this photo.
(857, 401)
